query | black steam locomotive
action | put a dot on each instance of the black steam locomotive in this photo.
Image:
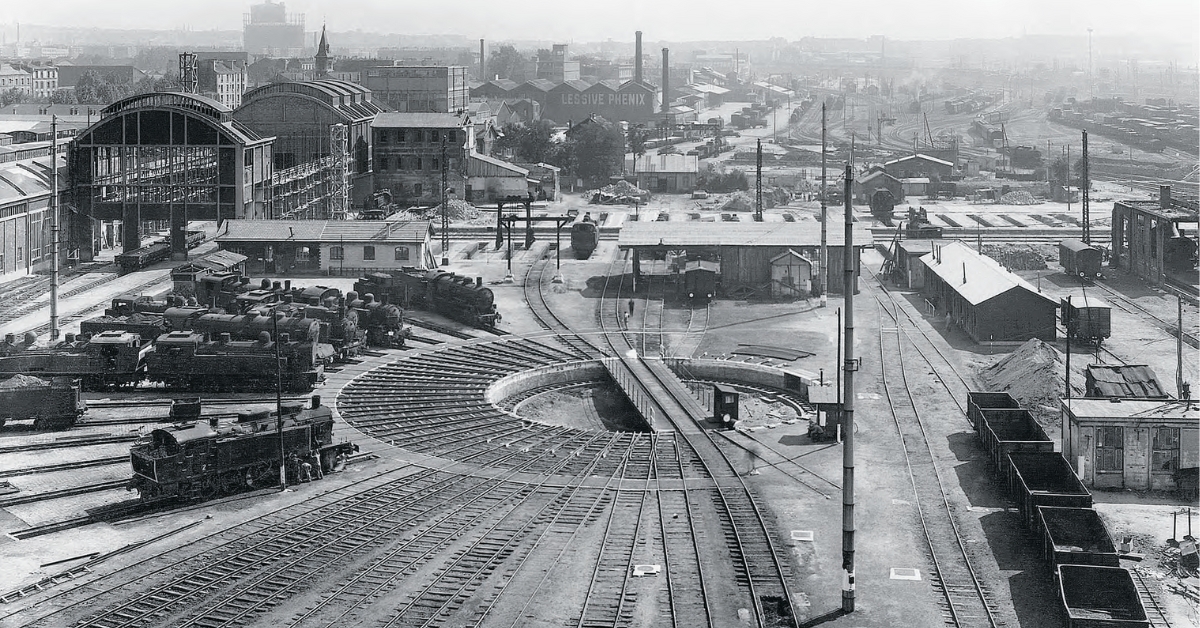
(437, 290)
(187, 360)
(195, 461)
(111, 358)
(584, 236)
(383, 322)
(160, 250)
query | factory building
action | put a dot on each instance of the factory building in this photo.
(25, 220)
(988, 302)
(573, 100)
(1149, 238)
(419, 89)
(1137, 444)
(672, 174)
(269, 30)
(552, 65)
(746, 251)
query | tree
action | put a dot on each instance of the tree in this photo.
(12, 96)
(1058, 171)
(506, 63)
(597, 152)
(637, 140)
(62, 97)
(531, 143)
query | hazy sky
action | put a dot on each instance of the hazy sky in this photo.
(571, 20)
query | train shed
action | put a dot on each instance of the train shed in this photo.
(988, 302)
(744, 250)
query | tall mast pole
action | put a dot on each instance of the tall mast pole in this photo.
(758, 183)
(824, 217)
(279, 399)
(1085, 184)
(849, 366)
(445, 211)
(54, 228)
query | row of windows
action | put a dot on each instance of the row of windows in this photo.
(416, 135)
(409, 164)
(338, 253)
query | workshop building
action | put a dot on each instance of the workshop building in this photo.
(671, 174)
(918, 165)
(1149, 238)
(791, 276)
(988, 302)
(1138, 444)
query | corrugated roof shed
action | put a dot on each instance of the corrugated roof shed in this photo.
(976, 278)
(324, 231)
(1130, 380)
(785, 234)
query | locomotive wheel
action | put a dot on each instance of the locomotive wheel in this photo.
(209, 488)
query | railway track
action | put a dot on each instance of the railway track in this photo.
(693, 335)
(1132, 307)
(534, 285)
(966, 601)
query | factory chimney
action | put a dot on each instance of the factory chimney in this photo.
(666, 80)
(482, 63)
(637, 57)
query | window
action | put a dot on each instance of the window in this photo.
(401, 253)
(435, 164)
(1110, 449)
(303, 254)
(418, 166)
(383, 136)
(383, 163)
(450, 135)
(337, 253)
(416, 186)
(434, 136)
(369, 253)
(1165, 455)
(400, 136)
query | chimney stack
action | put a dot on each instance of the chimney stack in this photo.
(1164, 196)
(666, 79)
(637, 57)
(482, 63)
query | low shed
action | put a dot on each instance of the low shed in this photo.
(988, 302)
(334, 247)
(791, 275)
(1137, 444)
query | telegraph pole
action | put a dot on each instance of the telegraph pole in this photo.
(850, 365)
(279, 400)
(1086, 183)
(824, 217)
(758, 185)
(445, 211)
(54, 228)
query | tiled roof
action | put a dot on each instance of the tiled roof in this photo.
(324, 231)
(976, 278)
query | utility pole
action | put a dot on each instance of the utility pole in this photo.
(1179, 385)
(445, 211)
(54, 228)
(1087, 183)
(758, 184)
(1067, 377)
(1068, 181)
(824, 262)
(849, 366)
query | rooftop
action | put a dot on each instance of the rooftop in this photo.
(976, 278)
(1140, 410)
(418, 121)
(920, 156)
(324, 231)
(752, 234)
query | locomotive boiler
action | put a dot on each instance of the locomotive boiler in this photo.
(196, 461)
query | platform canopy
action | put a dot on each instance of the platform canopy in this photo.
(669, 235)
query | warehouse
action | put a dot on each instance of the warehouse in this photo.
(988, 302)
(743, 249)
(672, 174)
(918, 165)
(1134, 444)
(25, 220)
(328, 247)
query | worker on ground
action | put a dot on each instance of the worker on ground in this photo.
(949, 321)
(630, 308)
(306, 471)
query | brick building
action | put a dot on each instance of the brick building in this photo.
(419, 89)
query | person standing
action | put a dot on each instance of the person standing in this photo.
(630, 307)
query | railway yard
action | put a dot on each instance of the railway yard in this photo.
(567, 467)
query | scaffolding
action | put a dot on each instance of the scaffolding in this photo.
(339, 182)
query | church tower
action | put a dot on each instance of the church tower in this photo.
(322, 59)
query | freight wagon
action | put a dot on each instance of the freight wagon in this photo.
(1044, 479)
(1080, 259)
(1087, 320)
(1011, 430)
(1099, 597)
(1076, 536)
(978, 401)
(50, 404)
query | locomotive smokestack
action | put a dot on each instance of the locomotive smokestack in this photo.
(479, 282)
(1164, 196)
(637, 57)
(287, 284)
(316, 399)
(666, 80)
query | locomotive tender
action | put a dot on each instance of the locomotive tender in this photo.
(53, 404)
(195, 461)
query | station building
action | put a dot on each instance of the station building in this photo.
(328, 247)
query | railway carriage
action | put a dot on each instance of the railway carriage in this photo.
(194, 461)
(1080, 259)
(1088, 320)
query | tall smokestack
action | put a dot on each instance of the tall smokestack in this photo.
(482, 63)
(637, 57)
(666, 80)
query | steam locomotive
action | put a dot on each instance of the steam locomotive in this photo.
(196, 461)
(438, 290)
(160, 250)
(190, 361)
(584, 235)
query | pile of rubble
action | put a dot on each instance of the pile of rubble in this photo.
(620, 193)
(737, 202)
(1020, 256)
(456, 210)
(1033, 375)
(1018, 197)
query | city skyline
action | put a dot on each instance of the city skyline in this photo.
(756, 19)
